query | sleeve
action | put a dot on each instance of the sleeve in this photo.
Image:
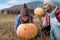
(52, 34)
(17, 23)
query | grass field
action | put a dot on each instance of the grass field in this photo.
(7, 27)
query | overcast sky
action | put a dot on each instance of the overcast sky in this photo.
(9, 3)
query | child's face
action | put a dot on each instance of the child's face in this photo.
(25, 18)
(58, 16)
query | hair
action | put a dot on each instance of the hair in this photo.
(24, 10)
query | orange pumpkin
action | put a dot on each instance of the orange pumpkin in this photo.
(27, 31)
(39, 12)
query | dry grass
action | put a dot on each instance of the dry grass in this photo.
(7, 27)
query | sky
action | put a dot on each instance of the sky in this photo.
(10, 3)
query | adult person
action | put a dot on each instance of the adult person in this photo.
(50, 10)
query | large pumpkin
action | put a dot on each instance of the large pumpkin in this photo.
(27, 31)
(39, 12)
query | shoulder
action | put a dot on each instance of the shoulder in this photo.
(18, 16)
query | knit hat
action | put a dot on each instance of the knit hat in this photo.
(24, 10)
(50, 2)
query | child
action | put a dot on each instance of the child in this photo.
(23, 17)
(55, 26)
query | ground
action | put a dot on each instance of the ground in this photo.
(7, 27)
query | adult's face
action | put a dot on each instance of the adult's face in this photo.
(46, 6)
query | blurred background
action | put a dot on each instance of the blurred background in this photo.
(14, 6)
